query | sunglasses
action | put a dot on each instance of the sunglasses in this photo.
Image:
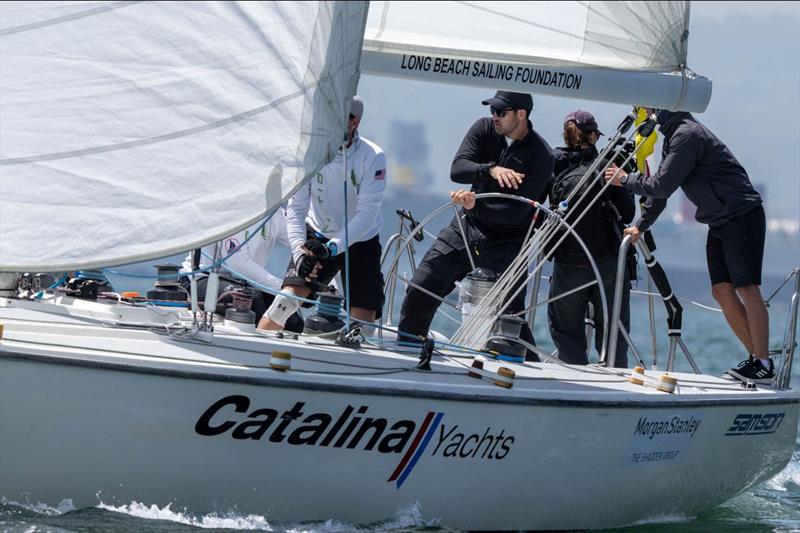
(501, 113)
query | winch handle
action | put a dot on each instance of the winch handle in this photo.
(406, 214)
(626, 123)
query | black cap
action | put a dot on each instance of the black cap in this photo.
(357, 106)
(584, 120)
(505, 99)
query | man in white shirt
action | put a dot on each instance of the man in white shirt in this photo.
(316, 221)
(249, 263)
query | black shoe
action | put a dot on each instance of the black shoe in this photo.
(728, 374)
(751, 369)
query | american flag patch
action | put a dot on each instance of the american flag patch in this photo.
(379, 175)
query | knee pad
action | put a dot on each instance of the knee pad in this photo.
(284, 306)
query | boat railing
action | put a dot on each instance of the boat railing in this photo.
(558, 230)
(546, 241)
(674, 310)
(784, 374)
(656, 275)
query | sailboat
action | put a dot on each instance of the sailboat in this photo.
(133, 131)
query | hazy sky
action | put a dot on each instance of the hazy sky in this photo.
(750, 51)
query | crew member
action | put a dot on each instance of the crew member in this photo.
(498, 154)
(599, 229)
(316, 221)
(694, 159)
(248, 265)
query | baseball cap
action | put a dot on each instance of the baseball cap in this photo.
(505, 99)
(357, 106)
(584, 120)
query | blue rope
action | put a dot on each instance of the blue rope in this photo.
(61, 280)
(40, 294)
(95, 275)
(136, 276)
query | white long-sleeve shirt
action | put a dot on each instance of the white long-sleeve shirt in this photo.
(321, 202)
(250, 260)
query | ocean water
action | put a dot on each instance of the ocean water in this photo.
(773, 506)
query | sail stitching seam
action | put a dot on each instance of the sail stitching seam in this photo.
(166, 137)
(66, 18)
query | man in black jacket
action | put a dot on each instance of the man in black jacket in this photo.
(694, 159)
(498, 154)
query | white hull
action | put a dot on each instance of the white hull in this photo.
(561, 450)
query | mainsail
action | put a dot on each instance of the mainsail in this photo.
(133, 130)
(624, 52)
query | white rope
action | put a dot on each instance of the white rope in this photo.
(475, 329)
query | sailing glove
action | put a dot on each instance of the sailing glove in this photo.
(316, 249)
(316, 252)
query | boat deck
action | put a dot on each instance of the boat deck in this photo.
(92, 334)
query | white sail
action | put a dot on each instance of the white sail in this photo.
(625, 52)
(136, 130)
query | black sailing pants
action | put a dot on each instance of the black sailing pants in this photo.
(445, 263)
(566, 315)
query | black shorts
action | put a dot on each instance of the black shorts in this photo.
(735, 250)
(365, 270)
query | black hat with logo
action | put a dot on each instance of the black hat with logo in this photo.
(505, 99)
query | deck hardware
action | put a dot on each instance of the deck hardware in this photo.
(505, 377)
(637, 376)
(666, 383)
(281, 361)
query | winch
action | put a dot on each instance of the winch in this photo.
(8, 284)
(239, 311)
(506, 329)
(327, 318)
(473, 289)
(168, 290)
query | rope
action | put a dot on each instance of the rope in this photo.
(346, 245)
(681, 300)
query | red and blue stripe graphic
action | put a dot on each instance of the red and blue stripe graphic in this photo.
(421, 440)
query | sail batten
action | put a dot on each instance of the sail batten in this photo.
(134, 130)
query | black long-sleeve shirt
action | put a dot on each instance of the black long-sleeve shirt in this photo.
(600, 226)
(694, 159)
(481, 148)
(649, 210)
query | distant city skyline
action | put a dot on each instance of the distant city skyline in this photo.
(750, 51)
